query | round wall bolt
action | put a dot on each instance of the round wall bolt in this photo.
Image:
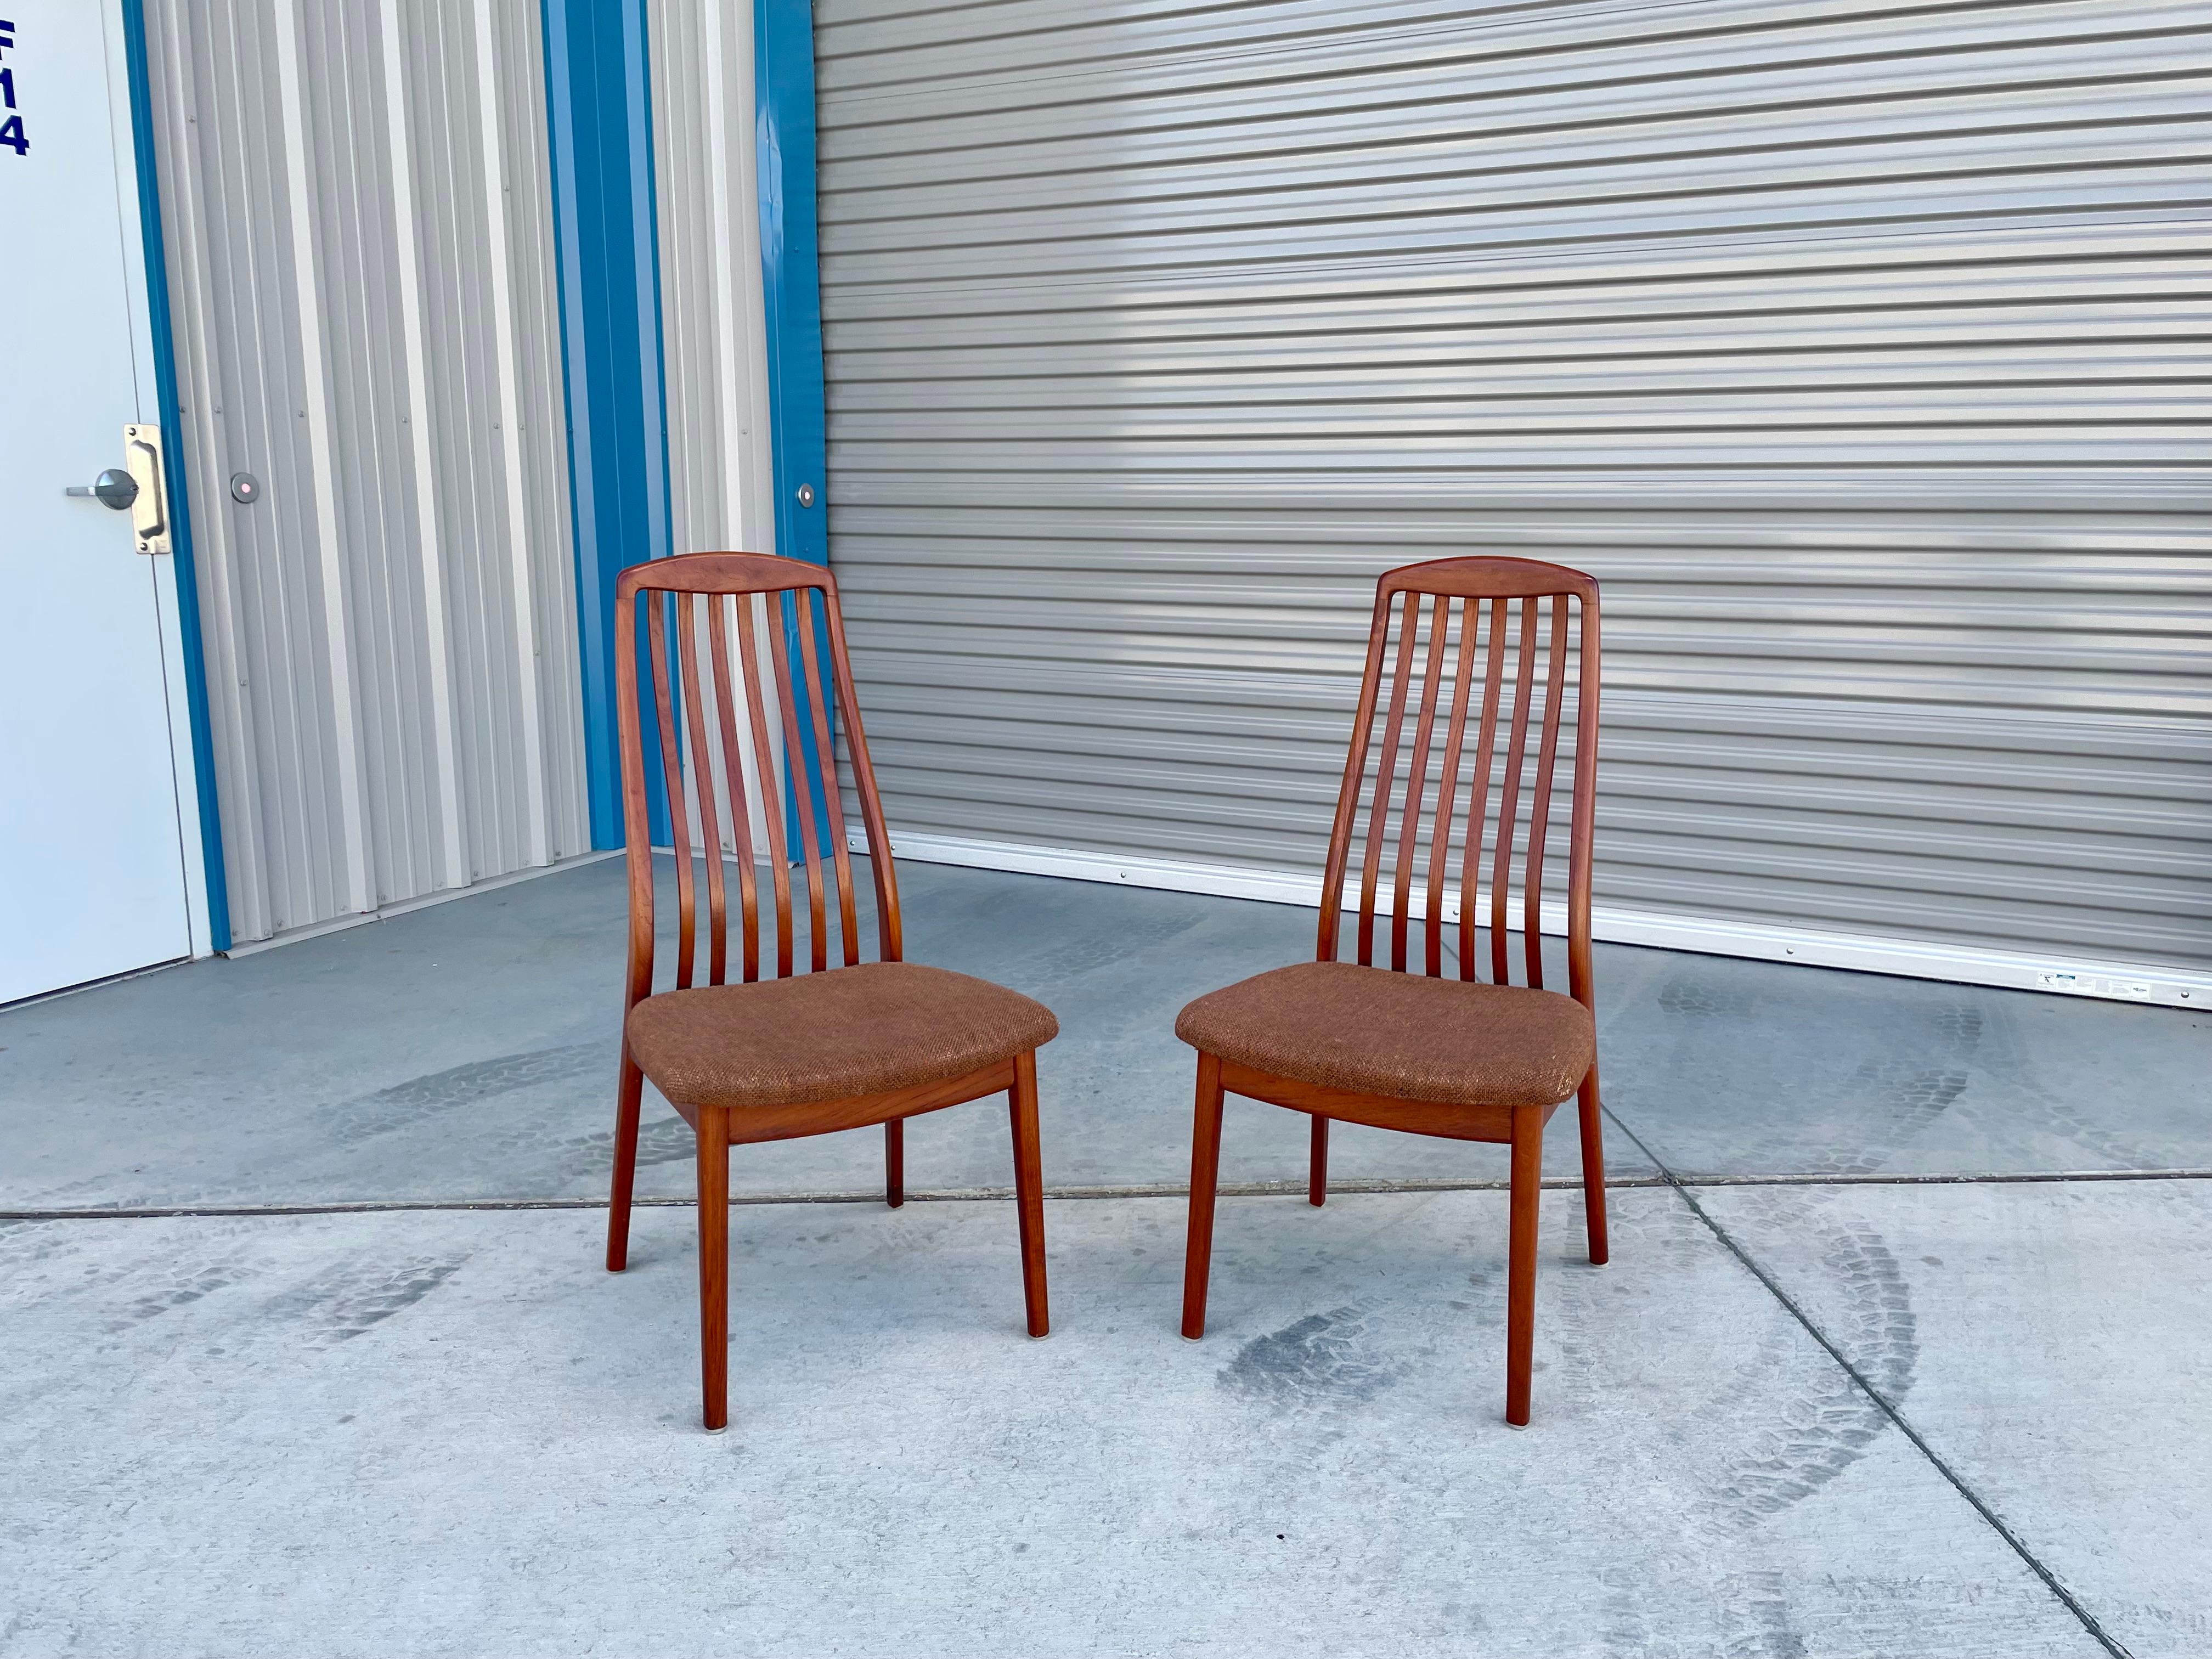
(807, 495)
(244, 487)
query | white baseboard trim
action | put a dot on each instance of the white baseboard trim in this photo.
(402, 907)
(2059, 973)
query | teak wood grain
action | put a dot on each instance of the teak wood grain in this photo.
(711, 769)
(1451, 625)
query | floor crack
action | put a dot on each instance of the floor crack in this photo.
(1688, 1190)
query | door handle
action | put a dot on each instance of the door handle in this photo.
(150, 505)
(114, 489)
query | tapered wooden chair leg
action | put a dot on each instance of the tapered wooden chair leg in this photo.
(1317, 1164)
(628, 1093)
(1593, 1170)
(1028, 1190)
(895, 1162)
(713, 1127)
(1205, 1177)
(1521, 1260)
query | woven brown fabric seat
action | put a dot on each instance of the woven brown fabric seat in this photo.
(1405, 1036)
(851, 1031)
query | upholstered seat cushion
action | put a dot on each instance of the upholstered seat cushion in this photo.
(1404, 1035)
(862, 1031)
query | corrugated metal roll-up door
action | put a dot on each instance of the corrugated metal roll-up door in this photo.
(1859, 350)
(358, 218)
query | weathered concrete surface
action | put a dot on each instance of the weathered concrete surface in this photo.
(434, 1433)
(466, 1051)
(1734, 1067)
(2050, 1341)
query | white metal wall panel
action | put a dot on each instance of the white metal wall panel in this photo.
(359, 223)
(712, 317)
(712, 309)
(1861, 352)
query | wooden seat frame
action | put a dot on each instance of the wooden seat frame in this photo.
(1476, 583)
(812, 594)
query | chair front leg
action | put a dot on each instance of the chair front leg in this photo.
(1028, 1190)
(1317, 1164)
(1521, 1260)
(629, 1090)
(713, 1132)
(1205, 1177)
(895, 1162)
(1587, 1109)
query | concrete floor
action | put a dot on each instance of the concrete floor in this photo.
(1843, 1411)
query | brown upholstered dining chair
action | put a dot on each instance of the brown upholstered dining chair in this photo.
(1433, 1053)
(770, 1058)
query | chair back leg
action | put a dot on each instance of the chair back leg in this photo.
(714, 1131)
(628, 1092)
(1028, 1190)
(895, 1162)
(1587, 1109)
(1521, 1260)
(1317, 1164)
(1205, 1177)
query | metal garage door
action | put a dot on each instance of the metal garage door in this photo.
(1860, 351)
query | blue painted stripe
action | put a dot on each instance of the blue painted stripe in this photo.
(791, 280)
(791, 277)
(180, 507)
(598, 106)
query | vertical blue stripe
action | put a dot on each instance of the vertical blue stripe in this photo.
(599, 105)
(180, 510)
(783, 104)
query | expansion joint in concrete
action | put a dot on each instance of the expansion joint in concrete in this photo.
(1688, 1191)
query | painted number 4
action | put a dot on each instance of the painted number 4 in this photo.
(11, 130)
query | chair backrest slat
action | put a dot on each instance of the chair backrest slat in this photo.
(710, 824)
(1417, 775)
(890, 940)
(1465, 618)
(734, 771)
(709, 787)
(1447, 781)
(1485, 746)
(1508, 805)
(671, 765)
(764, 763)
(832, 796)
(802, 796)
(1386, 778)
(1540, 812)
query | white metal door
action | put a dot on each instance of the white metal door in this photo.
(92, 872)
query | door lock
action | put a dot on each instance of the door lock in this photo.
(113, 489)
(136, 487)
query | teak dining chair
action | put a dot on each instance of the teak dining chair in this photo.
(1433, 1055)
(835, 1048)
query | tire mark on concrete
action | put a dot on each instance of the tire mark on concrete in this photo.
(403, 1105)
(1827, 1424)
(661, 1140)
(1923, 1069)
(1756, 1606)
(178, 1285)
(1321, 1361)
(351, 1298)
